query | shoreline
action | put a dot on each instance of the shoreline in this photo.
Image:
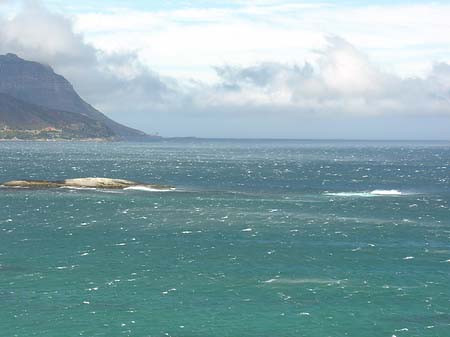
(58, 140)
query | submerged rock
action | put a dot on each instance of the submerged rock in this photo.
(105, 183)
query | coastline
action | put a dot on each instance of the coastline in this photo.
(58, 140)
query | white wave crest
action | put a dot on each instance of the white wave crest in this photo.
(386, 192)
(148, 189)
(303, 281)
(374, 193)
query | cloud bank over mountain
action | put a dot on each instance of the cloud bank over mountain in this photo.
(335, 93)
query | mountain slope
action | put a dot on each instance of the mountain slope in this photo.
(39, 85)
(19, 119)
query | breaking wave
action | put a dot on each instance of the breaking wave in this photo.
(302, 281)
(148, 189)
(386, 192)
(374, 193)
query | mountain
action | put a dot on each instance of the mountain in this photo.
(19, 119)
(33, 97)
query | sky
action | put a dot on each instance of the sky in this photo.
(248, 69)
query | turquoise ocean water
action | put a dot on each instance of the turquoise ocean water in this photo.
(261, 238)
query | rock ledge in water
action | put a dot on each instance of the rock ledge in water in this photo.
(107, 183)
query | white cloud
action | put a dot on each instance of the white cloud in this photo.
(49, 38)
(342, 82)
(404, 38)
(153, 70)
(99, 76)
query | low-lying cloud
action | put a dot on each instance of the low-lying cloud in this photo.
(100, 77)
(343, 81)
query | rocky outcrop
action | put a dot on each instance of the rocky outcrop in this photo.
(101, 183)
(33, 183)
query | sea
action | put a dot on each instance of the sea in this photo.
(260, 238)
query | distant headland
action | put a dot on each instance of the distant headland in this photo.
(38, 104)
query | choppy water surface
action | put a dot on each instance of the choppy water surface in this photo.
(263, 238)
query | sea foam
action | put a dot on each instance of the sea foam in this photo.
(148, 189)
(374, 193)
(302, 281)
(386, 192)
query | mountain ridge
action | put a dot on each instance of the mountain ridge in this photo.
(32, 91)
(19, 119)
